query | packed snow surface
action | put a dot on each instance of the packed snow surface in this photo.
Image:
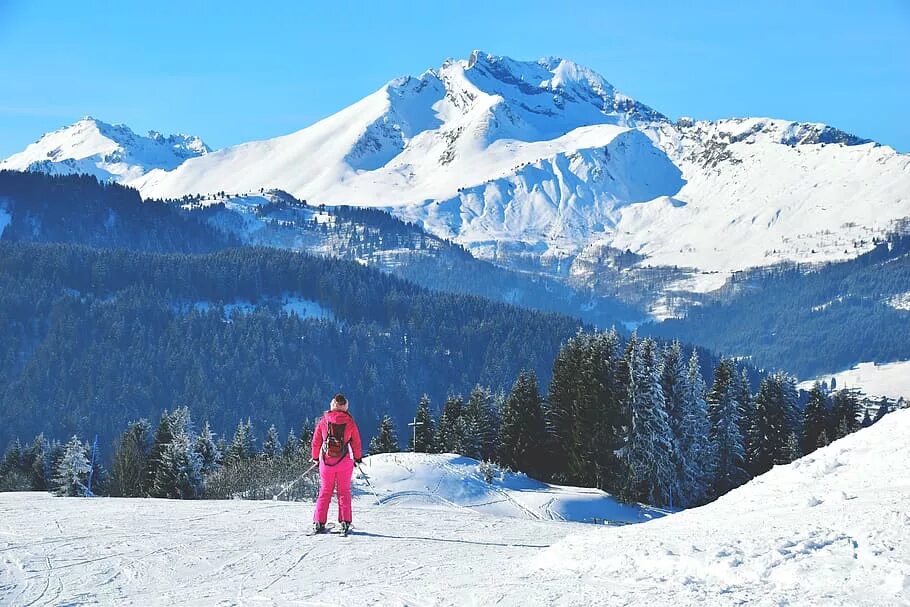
(830, 529)
(891, 379)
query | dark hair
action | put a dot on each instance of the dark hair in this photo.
(340, 399)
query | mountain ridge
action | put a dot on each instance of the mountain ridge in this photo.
(545, 165)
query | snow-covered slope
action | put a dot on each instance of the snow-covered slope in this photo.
(761, 191)
(105, 151)
(428, 480)
(891, 379)
(830, 529)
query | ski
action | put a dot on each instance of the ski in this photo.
(327, 529)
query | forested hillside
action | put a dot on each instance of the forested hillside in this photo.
(92, 339)
(810, 322)
(79, 209)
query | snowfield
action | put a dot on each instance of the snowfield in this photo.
(832, 528)
(891, 379)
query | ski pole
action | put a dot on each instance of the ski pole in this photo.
(367, 479)
(308, 470)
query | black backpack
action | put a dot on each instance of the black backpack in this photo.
(334, 446)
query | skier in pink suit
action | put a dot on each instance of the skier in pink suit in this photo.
(336, 446)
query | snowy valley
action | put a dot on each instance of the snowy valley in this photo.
(831, 528)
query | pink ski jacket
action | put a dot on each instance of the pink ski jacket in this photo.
(351, 435)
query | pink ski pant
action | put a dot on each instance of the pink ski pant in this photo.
(332, 478)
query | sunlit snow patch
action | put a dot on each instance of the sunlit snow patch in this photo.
(452, 481)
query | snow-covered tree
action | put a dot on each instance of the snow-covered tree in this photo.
(774, 420)
(844, 417)
(451, 429)
(386, 440)
(650, 453)
(422, 441)
(163, 436)
(208, 449)
(179, 470)
(696, 455)
(725, 435)
(180, 473)
(130, 463)
(72, 471)
(480, 430)
(271, 446)
(241, 447)
(523, 429)
(815, 419)
(291, 445)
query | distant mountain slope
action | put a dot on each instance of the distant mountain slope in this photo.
(108, 152)
(809, 320)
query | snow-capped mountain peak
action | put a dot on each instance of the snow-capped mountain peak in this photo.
(543, 161)
(107, 151)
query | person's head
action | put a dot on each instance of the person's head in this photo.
(339, 403)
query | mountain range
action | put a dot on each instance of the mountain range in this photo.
(543, 164)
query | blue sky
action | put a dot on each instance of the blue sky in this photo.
(235, 72)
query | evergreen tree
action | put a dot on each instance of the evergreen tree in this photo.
(306, 436)
(672, 378)
(523, 429)
(163, 437)
(386, 440)
(867, 421)
(72, 471)
(208, 450)
(11, 461)
(179, 471)
(424, 432)
(241, 447)
(291, 446)
(815, 419)
(775, 419)
(695, 450)
(725, 435)
(34, 461)
(748, 409)
(451, 430)
(822, 440)
(179, 475)
(844, 414)
(481, 430)
(130, 463)
(271, 446)
(587, 410)
(884, 408)
(650, 453)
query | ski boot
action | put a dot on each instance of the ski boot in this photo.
(345, 527)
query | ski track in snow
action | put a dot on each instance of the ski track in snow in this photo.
(833, 528)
